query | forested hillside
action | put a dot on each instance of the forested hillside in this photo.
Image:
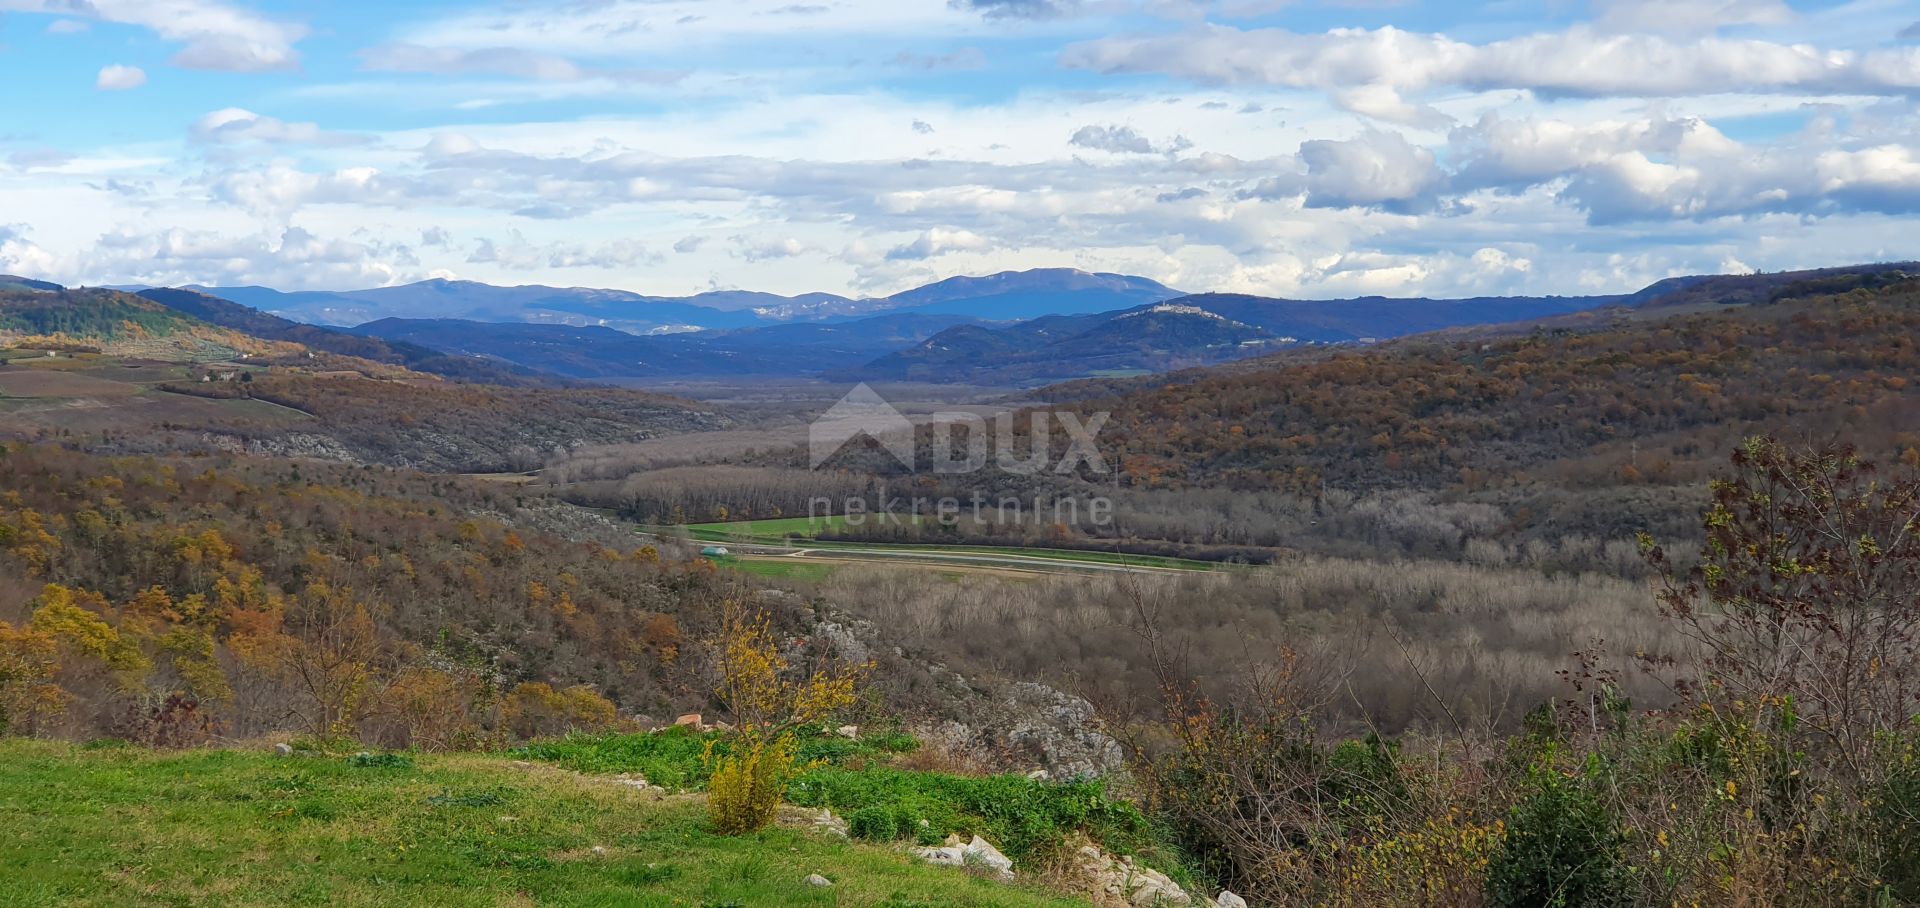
(339, 600)
(459, 427)
(100, 314)
(1641, 402)
(214, 310)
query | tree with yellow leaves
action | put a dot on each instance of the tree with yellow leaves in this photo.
(770, 704)
(28, 661)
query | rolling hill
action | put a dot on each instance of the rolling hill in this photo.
(597, 353)
(217, 311)
(1634, 401)
(1151, 338)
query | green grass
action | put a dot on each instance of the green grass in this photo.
(1026, 818)
(772, 530)
(1085, 557)
(804, 529)
(124, 826)
(798, 570)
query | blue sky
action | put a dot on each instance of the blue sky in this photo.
(1310, 148)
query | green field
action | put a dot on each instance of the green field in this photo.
(794, 530)
(773, 531)
(794, 568)
(124, 826)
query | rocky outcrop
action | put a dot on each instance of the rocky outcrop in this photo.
(978, 853)
(1025, 723)
(1118, 881)
(1010, 725)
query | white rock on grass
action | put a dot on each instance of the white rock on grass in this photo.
(1151, 889)
(949, 856)
(818, 882)
(981, 852)
(1229, 900)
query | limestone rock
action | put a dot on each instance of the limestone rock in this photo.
(981, 852)
(946, 856)
(818, 882)
(1229, 900)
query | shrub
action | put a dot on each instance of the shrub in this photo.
(770, 706)
(1023, 817)
(1562, 848)
(877, 823)
(744, 791)
(535, 709)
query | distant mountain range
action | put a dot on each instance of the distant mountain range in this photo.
(1015, 328)
(1010, 296)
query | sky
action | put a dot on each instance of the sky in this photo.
(1301, 148)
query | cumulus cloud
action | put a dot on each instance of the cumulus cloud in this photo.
(1115, 139)
(67, 27)
(1123, 140)
(1369, 70)
(294, 258)
(689, 244)
(937, 242)
(19, 255)
(755, 249)
(214, 34)
(120, 78)
(1377, 169)
(236, 125)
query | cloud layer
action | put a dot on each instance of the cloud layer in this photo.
(861, 146)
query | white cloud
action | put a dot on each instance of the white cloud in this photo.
(517, 254)
(446, 61)
(293, 258)
(1376, 66)
(756, 249)
(1115, 139)
(67, 27)
(1689, 16)
(120, 78)
(937, 242)
(236, 125)
(1378, 168)
(616, 28)
(215, 35)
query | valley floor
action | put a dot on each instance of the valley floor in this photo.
(126, 826)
